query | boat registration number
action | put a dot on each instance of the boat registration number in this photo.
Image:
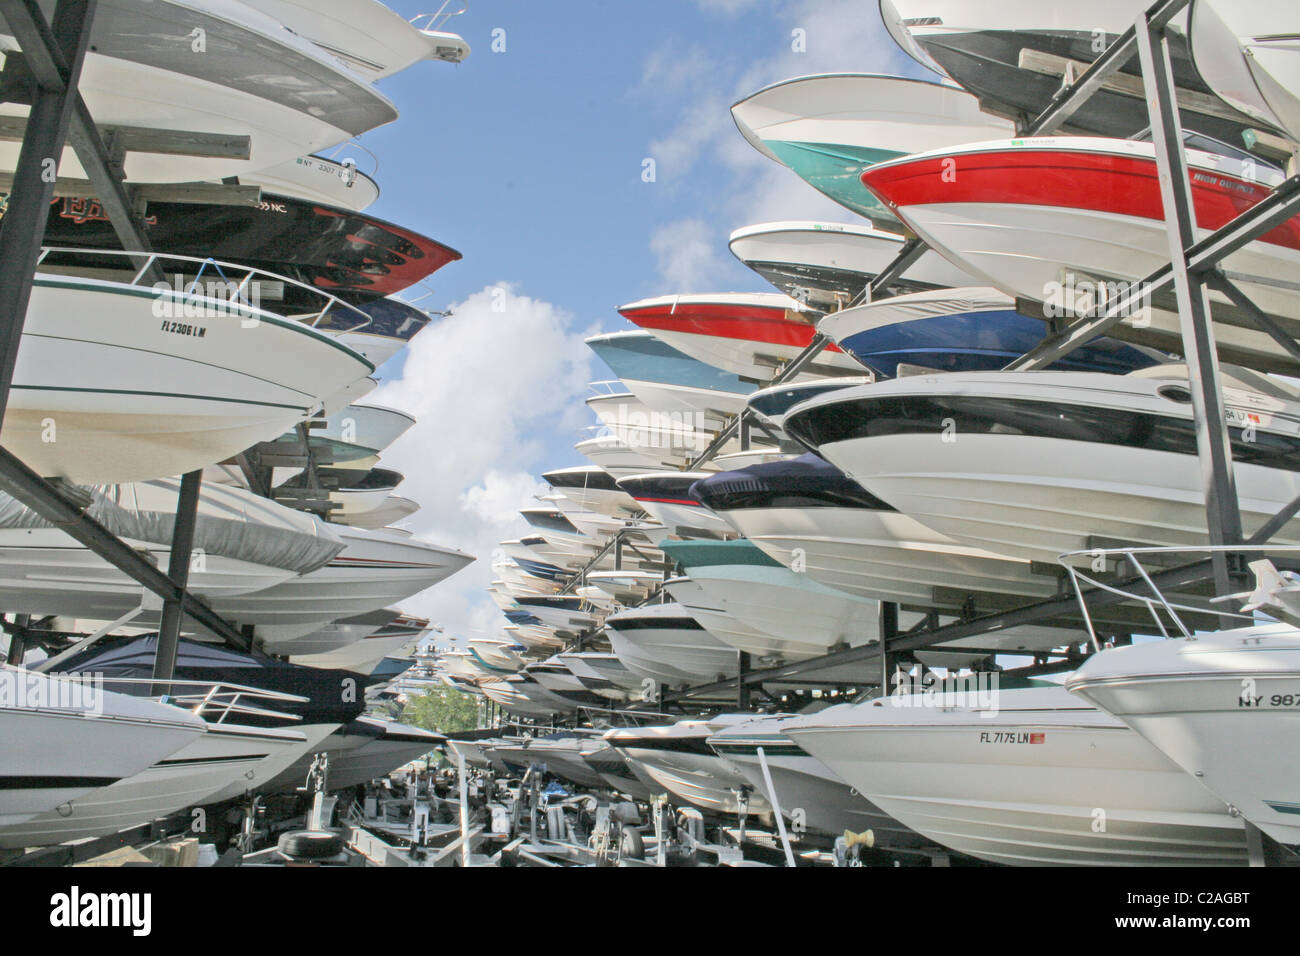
(1012, 737)
(184, 328)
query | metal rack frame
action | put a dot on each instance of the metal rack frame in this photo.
(46, 77)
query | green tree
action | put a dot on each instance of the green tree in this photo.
(441, 709)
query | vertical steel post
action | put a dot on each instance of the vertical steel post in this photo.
(23, 228)
(178, 570)
(18, 639)
(1214, 449)
(742, 688)
(888, 632)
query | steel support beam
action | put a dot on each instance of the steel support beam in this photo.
(53, 98)
(1069, 99)
(1172, 579)
(178, 570)
(1214, 449)
(732, 428)
(1270, 212)
(30, 490)
(1222, 284)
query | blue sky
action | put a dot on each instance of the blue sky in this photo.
(529, 161)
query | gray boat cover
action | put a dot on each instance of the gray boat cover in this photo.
(301, 544)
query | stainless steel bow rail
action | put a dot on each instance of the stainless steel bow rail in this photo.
(208, 283)
(1144, 590)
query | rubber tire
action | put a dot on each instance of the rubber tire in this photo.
(630, 844)
(310, 844)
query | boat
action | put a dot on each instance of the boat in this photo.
(164, 381)
(560, 753)
(317, 179)
(591, 487)
(66, 738)
(750, 334)
(809, 516)
(566, 613)
(372, 427)
(375, 569)
(1220, 706)
(254, 78)
(829, 128)
(677, 758)
(1029, 776)
(1075, 221)
(789, 616)
(362, 750)
(1247, 55)
(1046, 463)
(806, 789)
(615, 772)
(362, 656)
(221, 764)
(665, 496)
(261, 715)
(1015, 59)
(351, 255)
(962, 330)
(604, 674)
(357, 495)
(368, 36)
(242, 544)
(631, 424)
(828, 265)
(628, 586)
(665, 643)
(331, 637)
(669, 381)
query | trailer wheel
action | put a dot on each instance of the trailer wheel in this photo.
(631, 845)
(310, 844)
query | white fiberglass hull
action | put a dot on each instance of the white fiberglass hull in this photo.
(665, 643)
(376, 569)
(1248, 54)
(61, 744)
(819, 263)
(43, 571)
(1036, 498)
(220, 764)
(883, 555)
(1223, 707)
(132, 396)
(1042, 782)
(260, 81)
(316, 179)
(808, 792)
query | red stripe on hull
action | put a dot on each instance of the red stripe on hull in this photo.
(741, 323)
(1103, 182)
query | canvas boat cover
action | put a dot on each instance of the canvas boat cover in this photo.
(231, 523)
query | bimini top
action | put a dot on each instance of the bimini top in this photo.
(804, 482)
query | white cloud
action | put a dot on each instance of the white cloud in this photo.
(689, 254)
(484, 384)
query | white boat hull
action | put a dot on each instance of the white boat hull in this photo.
(1223, 707)
(1030, 786)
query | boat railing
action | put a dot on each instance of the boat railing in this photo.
(434, 22)
(1087, 567)
(234, 286)
(214, 701)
